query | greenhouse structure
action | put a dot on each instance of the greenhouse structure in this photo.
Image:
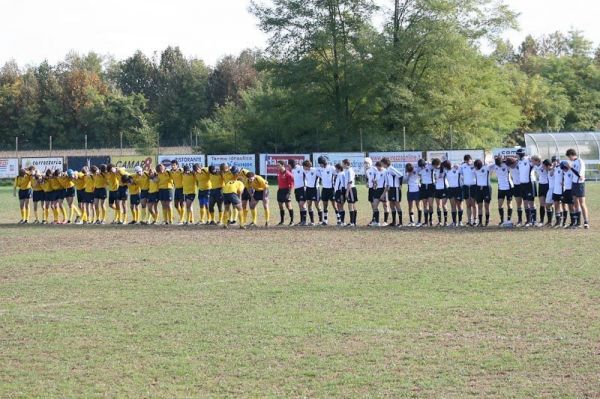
(587, 145)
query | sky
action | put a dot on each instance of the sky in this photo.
(34, 30)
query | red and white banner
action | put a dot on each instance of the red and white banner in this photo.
(268, 162)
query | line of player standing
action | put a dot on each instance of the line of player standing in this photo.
(467, 186)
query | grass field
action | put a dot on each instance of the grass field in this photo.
(318, 312)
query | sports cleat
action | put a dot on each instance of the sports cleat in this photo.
(266, 225)
(252, 224)
(418, 225)
(384, 224)
(586, 226)
(460, 224)
(324, 223)
(291, 223)
(280, 224)
(373, 224)
(519, 224)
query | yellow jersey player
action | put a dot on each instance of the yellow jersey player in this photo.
(232, 192)
(177, 175)
(141, 178)
(89, 194)
(67, 180)
(100, 193)
(38, 194)
(134, 197)
(23, 184)
(216, 195)
(165, 193)
(153, 191)
(204, 185)
(259, 190)
(188, 181)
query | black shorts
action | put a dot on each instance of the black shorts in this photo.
(260, 195)
(528, 191)
(70, 192)
(231, 199)
(203, 197)
(578, 190)
(216, 195)
(327, 194)
(123, 193)
(543, 190)
(312, 194)
(25, 194)
(505, 194)
(189, 197)
(283, 195)
(60, 194)
(395, 194)
(567, 197)
(352, 196)
(557, 197)
(48, 196)
(413, 196)
(378, 193)
(80, 196)
(340, 196)
(153, 198)
(143, 194)
(135, 199)
(113, 196)
(484, 194)
(300, 194)
(88, 198)
(455, 193)
(426, 191)
(469, 192)
(165, 194)
(38, 196)
(179, 196)
(246, 195)
(371, 194)
(441, 194)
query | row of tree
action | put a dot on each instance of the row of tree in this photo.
(330, 79)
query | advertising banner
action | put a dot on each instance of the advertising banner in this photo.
(505, 152)
(183, 160)
(9, 168)
(76, 163)
(399, 159)
(42, 164)
(455, 156)
(268, 162)
(129, 162)
(244, 161)
(357, 159)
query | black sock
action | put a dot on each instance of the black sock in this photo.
(337, 215)
(386, 216)
(325, 215)
(533, 215)
(400, 217)
(480, 219)
(439, 215)
(558, 218)
(375, 216)
(354, 213)
(542, 214)
(291, 212)
(520, 214)
(460, 216)
(576, 219)
(420, 216)
(411, 215)
(311, 215)
(454, 214)
(549, 213)
(281, 215)
(394, 217)
(564, 217)
(302, 216)
(501, 213)
(445, 216)
(343, 215)
(510, 212)
(527, 215)
(487, 219)
(430, 217)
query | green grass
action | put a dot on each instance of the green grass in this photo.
(170, 311)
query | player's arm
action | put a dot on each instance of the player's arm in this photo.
(15, 186)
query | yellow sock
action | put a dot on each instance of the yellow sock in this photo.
(46, 214)
(221, 216)
(63, 212)
(143, 214)
(241, 217)
(22, 211)
(180, 212)
(254, 214)
(171, 217)
(35, 213)
(211, 216)
(55, 213)
(124, 217)
(190, 216)
(267, 215)
(27, 213)
(103, 213)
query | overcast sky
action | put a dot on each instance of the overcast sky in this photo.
(34, 30)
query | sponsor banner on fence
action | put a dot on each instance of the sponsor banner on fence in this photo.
(245, 161)
(399, 159)
(76, 163)
(129, 162)
(9, 168)
(357, 159)
(268, 162)
(455, 156)
(43, 164)
(505, 152)
(183, 160)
